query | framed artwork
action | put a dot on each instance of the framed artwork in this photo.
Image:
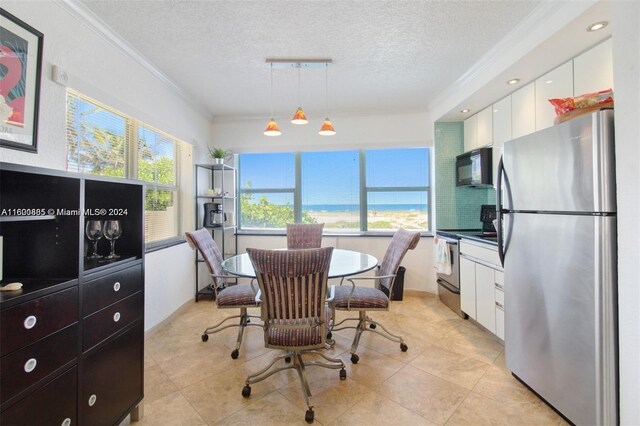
(20, 69)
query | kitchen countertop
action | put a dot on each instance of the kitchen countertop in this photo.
(470, 234)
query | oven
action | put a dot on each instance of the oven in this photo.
(449, 285)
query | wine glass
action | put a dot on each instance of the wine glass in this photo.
(93, 230)
(112, 231)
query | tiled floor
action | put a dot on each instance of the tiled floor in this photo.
(453, 374)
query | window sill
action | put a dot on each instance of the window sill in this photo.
(160, 245)
(258, 233)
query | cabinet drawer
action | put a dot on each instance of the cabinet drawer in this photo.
(30, 321)
(55, 402)
(112, 379)
(499, 298)
(109, 289)
(25, 367)
(499, 277)
(485, 254)
(500, 323)
(111, 319)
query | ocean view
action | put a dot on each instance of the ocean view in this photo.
(356, 207)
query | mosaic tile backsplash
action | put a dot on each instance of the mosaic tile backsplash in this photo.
(456, 207)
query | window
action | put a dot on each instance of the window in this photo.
(103, 141)
(348, 191)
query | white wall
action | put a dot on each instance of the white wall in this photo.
(419, 276)
(352, 132)
(626, 68)
(102, 71)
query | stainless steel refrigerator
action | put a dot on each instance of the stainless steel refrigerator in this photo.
(557, 240)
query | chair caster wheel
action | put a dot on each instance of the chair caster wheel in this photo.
(372, 326)
(246, 391)
(403, 347)
(355, 358)
(205, 337)
(329, 335)
(287, 359)
(343, 374)
(235, 354)
(308, 416)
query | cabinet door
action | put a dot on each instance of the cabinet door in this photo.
(554, 84)
(523, 111)
(593, 70)
(470, 133)
(112, 379)
(485, 298)
(468, 287)
(501, 130)
(484, 127)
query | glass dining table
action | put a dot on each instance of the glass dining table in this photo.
(344, 263)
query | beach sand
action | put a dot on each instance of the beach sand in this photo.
(377, 220)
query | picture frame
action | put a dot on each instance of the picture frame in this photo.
(21, 60)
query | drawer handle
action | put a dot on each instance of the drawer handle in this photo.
(30, 365)
(499, 305)
(66, 422)
(92, 400)
(30, 322)
(116, 286)
(116, 317)
(499, 286)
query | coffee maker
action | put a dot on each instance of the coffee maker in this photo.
(213, 215)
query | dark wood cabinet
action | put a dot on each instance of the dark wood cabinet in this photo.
(76, 328)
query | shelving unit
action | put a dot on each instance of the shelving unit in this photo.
(72, 338)
(217, 213)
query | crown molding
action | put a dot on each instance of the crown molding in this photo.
(544, 21)
(104, 31)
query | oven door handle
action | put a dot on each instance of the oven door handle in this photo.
(448, 286)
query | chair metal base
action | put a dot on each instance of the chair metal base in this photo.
(300, 366)
(244, 322)
(365, 323)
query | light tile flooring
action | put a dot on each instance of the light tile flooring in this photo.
(453, 374)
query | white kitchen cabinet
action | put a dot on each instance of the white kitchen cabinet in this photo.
(523, 111)
(480, 276)
(485, 297)
(557, 83)
(471, 133)
(484, 127)
(593, 70)
(501, 111)
(468, 287)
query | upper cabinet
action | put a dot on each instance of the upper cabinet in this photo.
(471, 133)
(593, 70)
(501, 130)
(523, 111)
(478, 130)
(485, 127)
(554, 84)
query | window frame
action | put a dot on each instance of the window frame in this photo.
(131, 161)
(363, 204)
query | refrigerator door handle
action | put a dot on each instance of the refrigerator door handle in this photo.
(499, 211)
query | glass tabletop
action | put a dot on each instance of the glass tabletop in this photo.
(343, 263)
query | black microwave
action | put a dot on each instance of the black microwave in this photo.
(474, 168)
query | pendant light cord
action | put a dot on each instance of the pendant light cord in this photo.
(326, 88)
(299, 66)
(272, 90)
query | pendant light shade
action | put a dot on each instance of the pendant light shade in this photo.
(272, 128)
(327, 128)
(299, 117)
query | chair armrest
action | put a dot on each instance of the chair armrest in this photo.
(258, 297)
(332, 294)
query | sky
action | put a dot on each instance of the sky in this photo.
(333, 177)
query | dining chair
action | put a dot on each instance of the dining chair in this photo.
(304, 235)
(227, 295)
(293, 288)
(363, 299)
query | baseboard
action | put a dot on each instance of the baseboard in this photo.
(156, 328)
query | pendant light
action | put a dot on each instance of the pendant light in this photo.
(327, 127)
(299, 117)
(272, 128)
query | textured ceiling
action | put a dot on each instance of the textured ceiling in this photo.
(388, 55)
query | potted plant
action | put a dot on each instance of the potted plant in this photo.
(219, 154)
